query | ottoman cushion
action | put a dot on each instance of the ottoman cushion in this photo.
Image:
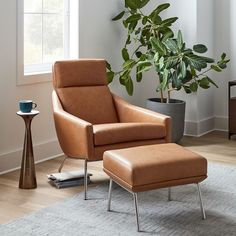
(154, 166)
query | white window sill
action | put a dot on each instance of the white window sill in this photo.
(41, 77)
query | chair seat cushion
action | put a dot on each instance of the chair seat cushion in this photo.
(126, 132)
(154, 166)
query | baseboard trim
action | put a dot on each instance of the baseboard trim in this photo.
(221, 123)
(204, 126)
(12, 160)
(199, 128)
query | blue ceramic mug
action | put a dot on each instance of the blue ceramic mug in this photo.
(26, 106)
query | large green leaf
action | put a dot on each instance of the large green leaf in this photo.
(158, 46)
(171, 62)
(187, 78)
(176, 83)
(125, 24)
(204, 83)
(129, 86)
(144, 20)
(143, 3)
(156, 19)
(132, 26)
(132, 4)
(161, 62)
(122, 80)
(216, 68)
(108, 65)
(199, 48)
(196, 62)
(139, 75)
(129, 64)
(133, 18)
(171, 45)
(167, 33)
(125, 54)
(208, 59)
(144, 63)
(162, 7)
(165, 79)
(119, 16)
(110, 76)
(187, 89)
(169, 21)
(156, 57)
(128, 41)
(223, 56)
(183, 69)
(222, 65)
(144, 66)
(194, 86)
(180, 40)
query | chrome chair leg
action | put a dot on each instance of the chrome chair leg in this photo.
(136, 210)
(201, 203)
(85, 180)
(62, 164)
(169, 194)
(109, 195)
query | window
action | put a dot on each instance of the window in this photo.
(47, 31)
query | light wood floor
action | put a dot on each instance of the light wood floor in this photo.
(15, 202)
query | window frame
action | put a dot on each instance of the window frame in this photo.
(73, 42)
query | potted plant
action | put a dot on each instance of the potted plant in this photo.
(151, 44)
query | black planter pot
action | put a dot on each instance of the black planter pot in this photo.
(175, 109)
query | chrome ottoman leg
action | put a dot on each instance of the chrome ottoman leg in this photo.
(136, 210)
(85, 180)
(109, 195)
(201, 203)
(62, 164)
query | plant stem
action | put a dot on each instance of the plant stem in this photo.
(203, 72)
(168, 97)
(168, 94)
(162, 96)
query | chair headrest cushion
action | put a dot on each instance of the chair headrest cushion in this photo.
(82, 72)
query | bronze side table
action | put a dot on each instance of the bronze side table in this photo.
(27, 173)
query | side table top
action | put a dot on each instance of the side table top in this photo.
(33, 112)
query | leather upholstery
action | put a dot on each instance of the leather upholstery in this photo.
(74, 73)
(74, 134)
(99, 150)
(126, 132)
(89, 119)
(130, 113)
(161, 165)
(93, 103)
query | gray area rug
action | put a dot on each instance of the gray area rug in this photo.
(182, 216)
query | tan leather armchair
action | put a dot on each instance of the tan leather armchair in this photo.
(89, 119)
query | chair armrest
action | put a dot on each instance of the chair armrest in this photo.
(130, 113)
(74, 134)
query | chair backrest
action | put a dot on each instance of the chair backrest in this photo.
(82, 88)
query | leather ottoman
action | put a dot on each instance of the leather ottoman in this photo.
(150, 167)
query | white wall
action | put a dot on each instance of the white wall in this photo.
(11, 126)
(224, 38)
